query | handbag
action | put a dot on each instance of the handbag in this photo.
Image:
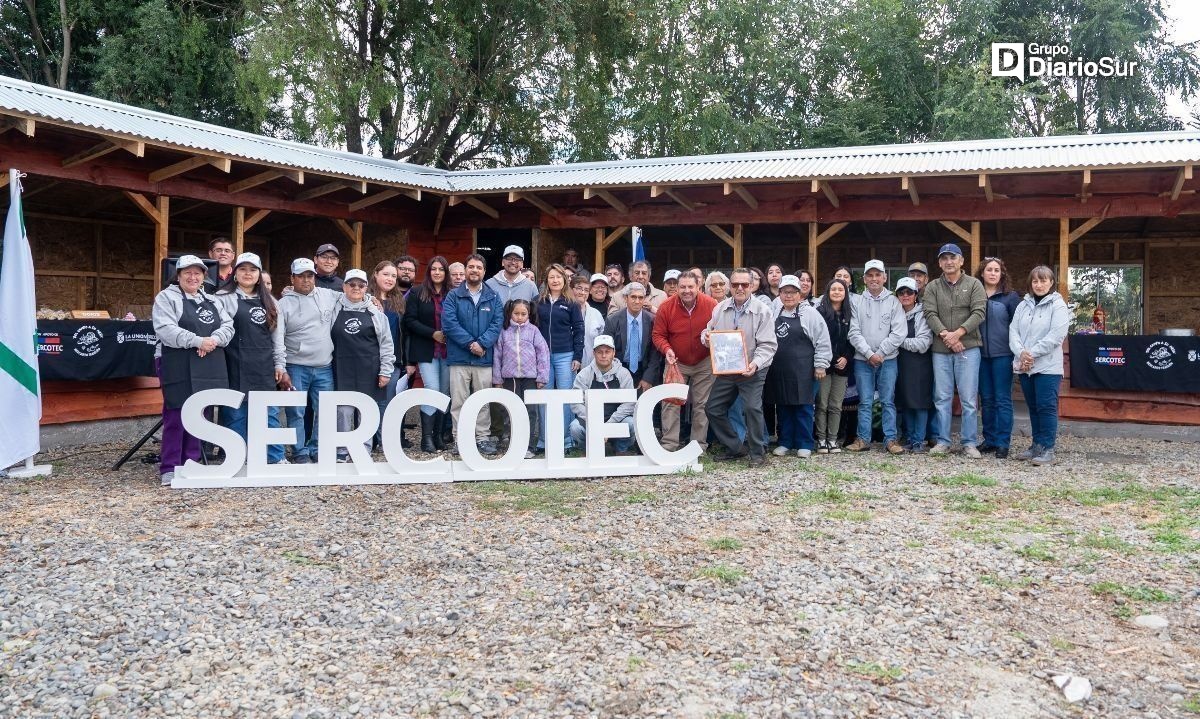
(672, 375)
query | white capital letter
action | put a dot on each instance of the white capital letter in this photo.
(329, 439)
(195, 424)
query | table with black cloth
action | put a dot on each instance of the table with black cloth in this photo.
(86, 350)
(1140, 363)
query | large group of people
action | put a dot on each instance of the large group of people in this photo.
(910, 350)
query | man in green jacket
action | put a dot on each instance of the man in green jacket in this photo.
(954, 309)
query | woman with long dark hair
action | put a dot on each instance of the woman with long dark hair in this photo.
(774, 275)
(996, 359)
(252, 355)
(560, 319)
(383, 287)
(427, 347)
(837, 310)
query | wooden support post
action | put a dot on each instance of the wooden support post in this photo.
(972, 239)
(590, 192)
(1064, 254)
(816, 239)
(239, 230)
(354, 234)
(604, 241)
(734, 241)
(976, 247)
(743, 193)
(910, 185)
(985, 182)
(1184, 174)
(1085, 191)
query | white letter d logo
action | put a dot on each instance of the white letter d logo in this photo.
(1008, 59)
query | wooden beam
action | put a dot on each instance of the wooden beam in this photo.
(957, 229)
(743, 193)
(720, 232)
(254, 181)
(441, 212)
(137, 149)
(1085, 191)
(478, 204)
(976, 246)
(1064, 255)
(373, 199)
(676, 195)
(161, 228)
(1083, 229)
(356, 245)
(328, 187)
(739, 258)
(533, 200)
(1184, 174)
(590, 192)
(816, 238)
(909, 184)
(148, 209)
(826, 188)
(254, 219)
(599, 266)
(239, 230)
(985, 183)
(24, 125)
(4, 180)
(223, 164)
(347, 230)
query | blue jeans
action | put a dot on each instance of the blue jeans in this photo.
(995, 399)
(235, 418)
(313, 380)
(1041, 395)
(868, 380)
(561, 377)
(435, 375)
(961, 370)
(796, 425)
(916, 421)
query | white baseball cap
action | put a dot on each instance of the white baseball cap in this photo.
(671, 275)
(906, 283)
(300, 265)
(514, 250)
(599, 278)
(603, 341)
(874, 265)
(789, 281)
(187, 261)
(248, 257)
(355, 275)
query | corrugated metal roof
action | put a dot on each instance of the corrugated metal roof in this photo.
(934, 158)
(47, 103)
(1031, 154)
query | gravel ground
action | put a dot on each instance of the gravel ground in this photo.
(847, 585)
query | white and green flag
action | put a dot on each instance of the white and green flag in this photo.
(20, 390)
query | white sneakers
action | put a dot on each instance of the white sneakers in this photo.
(804, 453)
(780, 451)
(166, 478)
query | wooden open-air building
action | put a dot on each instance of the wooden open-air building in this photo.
(111, 190)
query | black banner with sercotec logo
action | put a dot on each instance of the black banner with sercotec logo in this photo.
(1148, 363)
(95, 349)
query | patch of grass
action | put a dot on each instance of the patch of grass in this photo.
(1039, 551)
(913, 544)
(964, 479)
(1061, 644)
(721, 506)
(1118, 477)
(723, 573)
(1191, 705)
(978, 535)
(307, 561)
(1104, 539)
(640, 498)
(813, 534)
(830, 495)
(739, 667)
(1140, 593)
(724, 543)
(849, 515)
(967, 503)
(1174, 535)
(634, 664)
(1127, 492)
(555, 498)
(1123, 611)
(877, 671)
(837, 475)
(885, 467)
(1004, 583)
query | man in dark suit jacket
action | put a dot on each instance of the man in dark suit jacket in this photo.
(646, 363)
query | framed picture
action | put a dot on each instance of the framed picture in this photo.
(727, 351)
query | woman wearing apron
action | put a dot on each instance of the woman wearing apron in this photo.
(363, 357)
(192, 329)
(914, 385)
(252, 355)
(800, 361)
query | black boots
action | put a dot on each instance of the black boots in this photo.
(427, 432)
(447, 429)
(439, 440)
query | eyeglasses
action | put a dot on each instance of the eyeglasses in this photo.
(739, 285)
(717, 284)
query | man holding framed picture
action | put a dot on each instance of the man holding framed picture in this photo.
(742, 342)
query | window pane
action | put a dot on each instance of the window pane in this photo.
(1115, 288)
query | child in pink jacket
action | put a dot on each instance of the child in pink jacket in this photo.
(521, 360)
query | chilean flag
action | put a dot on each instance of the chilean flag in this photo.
(639, 245)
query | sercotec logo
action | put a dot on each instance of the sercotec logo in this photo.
(1021, 60)
(1113, 356)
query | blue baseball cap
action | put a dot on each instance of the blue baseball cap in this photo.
(950, 248)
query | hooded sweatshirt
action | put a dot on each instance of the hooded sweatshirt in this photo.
(168, 307)
(877, 325)
(617, 377)
(383, 330)
(1040, 328)
(304, 324)
(520, 289)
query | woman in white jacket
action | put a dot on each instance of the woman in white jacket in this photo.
(1035, 337)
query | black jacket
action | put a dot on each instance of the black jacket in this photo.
(650, 367)
(839, 340)
(419, 326)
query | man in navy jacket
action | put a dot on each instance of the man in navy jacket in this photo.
(471, 319)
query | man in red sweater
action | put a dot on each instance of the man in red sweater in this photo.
(677, 327)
